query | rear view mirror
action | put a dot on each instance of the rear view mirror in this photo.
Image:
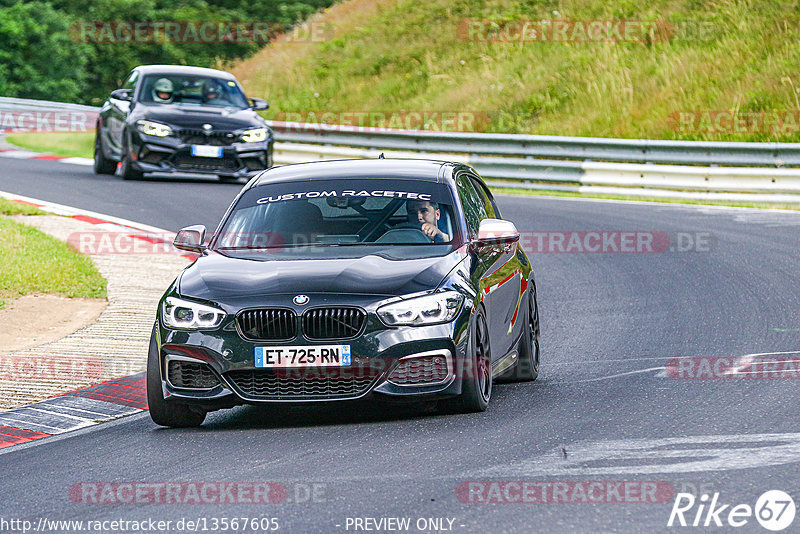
(191, 239)
(259, 103)
(122, 94)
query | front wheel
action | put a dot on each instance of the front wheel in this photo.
(167, 413)
(102, 165)
(476, 374)
(126, 167)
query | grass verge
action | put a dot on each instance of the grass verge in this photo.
(726, 55)
(79, 144)
(9, 207)
(33, 262)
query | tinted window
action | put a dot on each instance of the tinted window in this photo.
(192, 91)
(339, 213)
(130, 83)
(474, 208)
(486, 198)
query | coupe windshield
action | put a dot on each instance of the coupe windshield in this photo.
(192, 91)
(340, 213)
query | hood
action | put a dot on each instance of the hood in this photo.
(196, 116)
(219, 278)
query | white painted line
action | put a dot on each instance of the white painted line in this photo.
(19, 154)
(613, 376)
(59, 414)
(88, 162)
(690, 454)
(61, 209)
(26, 425)
(57, 407)
(673, 205)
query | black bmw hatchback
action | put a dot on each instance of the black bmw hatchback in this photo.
(343, 280)
(168, 119)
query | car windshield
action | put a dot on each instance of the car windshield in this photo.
(192, 91)
(326, 215)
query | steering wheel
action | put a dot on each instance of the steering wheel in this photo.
(417, 226)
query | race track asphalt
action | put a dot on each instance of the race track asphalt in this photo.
(604, 408)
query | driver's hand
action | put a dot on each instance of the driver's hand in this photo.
(429, 230)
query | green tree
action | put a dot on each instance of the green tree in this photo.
(37, 58)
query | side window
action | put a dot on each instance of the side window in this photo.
(474, 208)
(130, 83)
(486, 198)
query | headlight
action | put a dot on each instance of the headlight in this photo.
(179, 313)
(429, 309)
(153, 128)
(256, 135)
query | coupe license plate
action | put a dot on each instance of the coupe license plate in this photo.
(303, 356)
(207, 151)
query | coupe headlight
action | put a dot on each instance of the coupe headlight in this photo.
(429, 309)
(153, 128)
(256, 135)
(179, 313)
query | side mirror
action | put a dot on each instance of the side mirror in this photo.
(494, 232)
(191, 238)
(122, 94)
(259, 103)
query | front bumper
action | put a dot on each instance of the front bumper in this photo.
(376, 354)
(170, 154)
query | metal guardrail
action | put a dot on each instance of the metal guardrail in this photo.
(542, 146)
(8, 103)
(629, 166)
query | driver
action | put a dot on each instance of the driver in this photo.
(162, 91)
(211, 93)
(427, 214)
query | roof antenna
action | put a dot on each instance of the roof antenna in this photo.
(381, 156)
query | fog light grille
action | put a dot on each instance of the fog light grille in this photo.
(302, 383)
(430, 369)
(190, 375)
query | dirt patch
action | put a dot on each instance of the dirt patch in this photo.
(35, 319)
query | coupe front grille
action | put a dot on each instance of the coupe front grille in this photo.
(420, 371)
(303, 383)
(187, 162)
(333, 323)
(200, 137)
(190, 375)
(268, 324)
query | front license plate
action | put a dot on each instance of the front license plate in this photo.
(207, 151)
(303, 356)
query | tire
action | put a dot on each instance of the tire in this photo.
(102, 165)
(527, 367)
(167, 413)
(127, 170)
(476, 389)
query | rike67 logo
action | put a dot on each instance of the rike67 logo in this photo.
(774, 510)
